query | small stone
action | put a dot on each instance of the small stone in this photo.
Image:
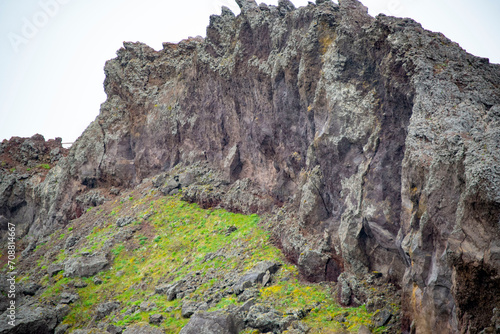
(230, 230)
(114, 191)
(97, 280)
(124, 221)
(71, 242)
(68, 298)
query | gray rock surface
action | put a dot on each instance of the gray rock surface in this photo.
(71, 242)
(142, 329)
(85, 266)
(190, 308)
(68, 298)
(62, 329)
(105, 309)
(24, 162)
(373, 141)
(124, 221)
(30, 319)
(30, 288)
(54, 269)
(212, 323)
(112, 329)
(155, 319)
(255, 275)
(170, 290)
(267, 319)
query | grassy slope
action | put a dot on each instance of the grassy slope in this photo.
(170, 242)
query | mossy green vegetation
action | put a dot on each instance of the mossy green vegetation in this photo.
(44, 166)
(172, 240)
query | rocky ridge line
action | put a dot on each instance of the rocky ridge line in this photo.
(378, 140)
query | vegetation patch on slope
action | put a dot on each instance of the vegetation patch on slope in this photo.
(165, 241)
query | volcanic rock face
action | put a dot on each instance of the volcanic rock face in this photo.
(24, 163)
(380, 141)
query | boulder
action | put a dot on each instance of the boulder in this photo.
(71, 242)
(124, 221)
(170, 186)
(29, 320)
(68, 298)
(381, 318)
(312, 264)
(218, 322)
(256, 275)
(105, 309)
(189, 308)
(155, 319)
(171, 290)
(267, 319)
(85, 266)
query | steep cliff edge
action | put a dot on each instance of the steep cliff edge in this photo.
(24, 164)
(373, 143)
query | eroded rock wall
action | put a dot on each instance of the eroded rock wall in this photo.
(374, 142)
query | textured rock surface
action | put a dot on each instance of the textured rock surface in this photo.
(146, 329)
(85, 266)
(31, 320)
(379, 140)
(212, 323)
(24, 163)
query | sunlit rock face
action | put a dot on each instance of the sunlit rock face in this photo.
(373, 143)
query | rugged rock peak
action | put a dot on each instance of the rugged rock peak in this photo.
(227, 12)
(246, 5)
(286, 5)
(22, 153)
(371, 143)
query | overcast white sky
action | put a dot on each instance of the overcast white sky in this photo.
(52, 52)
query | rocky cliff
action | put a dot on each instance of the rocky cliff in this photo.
(371, 143)
(24, 165)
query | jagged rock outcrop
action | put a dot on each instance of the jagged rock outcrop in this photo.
(378, 140)
(24, 164)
